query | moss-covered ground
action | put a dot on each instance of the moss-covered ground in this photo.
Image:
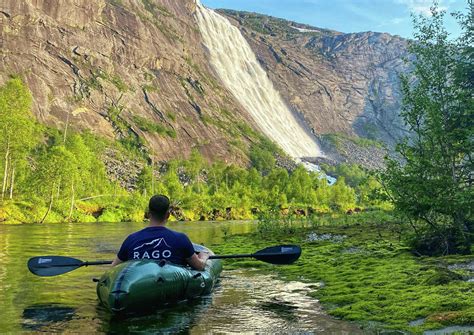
(368, 276)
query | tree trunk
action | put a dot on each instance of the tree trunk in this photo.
(59, 188)
(5, 172)
(66, 126)
(72, 200)
(50, 204)
(152, 178)
(12, 180)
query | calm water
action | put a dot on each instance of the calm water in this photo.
(245, 301)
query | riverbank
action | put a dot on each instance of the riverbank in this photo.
(368, 276)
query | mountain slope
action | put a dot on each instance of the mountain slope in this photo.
(137, 71)
(130, 70)
(339, 83)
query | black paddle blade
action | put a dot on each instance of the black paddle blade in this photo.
(281, 254)
(47, 266)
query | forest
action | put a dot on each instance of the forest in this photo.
(51, 175)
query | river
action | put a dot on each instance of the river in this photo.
(244, 301)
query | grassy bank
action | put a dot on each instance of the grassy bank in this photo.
(367, 275)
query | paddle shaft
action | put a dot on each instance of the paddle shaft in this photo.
(238, 256)
(74, 264)
(44, 265)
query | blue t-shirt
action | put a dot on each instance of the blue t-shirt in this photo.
(157, 243)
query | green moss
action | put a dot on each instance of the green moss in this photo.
(118, 83)
(152, 127)
(171, 116)
(369, 277)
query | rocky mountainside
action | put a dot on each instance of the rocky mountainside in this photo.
(138, 71)
(339, 83)
(133, 70)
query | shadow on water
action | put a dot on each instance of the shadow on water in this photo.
(282, 309)
(40, 316)
(172, 319)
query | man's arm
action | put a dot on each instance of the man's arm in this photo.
(198, 262)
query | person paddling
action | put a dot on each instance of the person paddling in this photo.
(158, 242)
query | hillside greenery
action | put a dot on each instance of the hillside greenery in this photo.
(50, 176)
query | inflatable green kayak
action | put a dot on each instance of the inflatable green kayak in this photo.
(133, 285)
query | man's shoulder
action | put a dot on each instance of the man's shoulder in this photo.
(177, 233)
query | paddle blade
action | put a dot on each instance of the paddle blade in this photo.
(281, 254)
(47, 266)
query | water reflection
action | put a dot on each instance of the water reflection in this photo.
(176, 319)
(252, 302)
(39, 316)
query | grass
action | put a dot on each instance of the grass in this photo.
(369, 276)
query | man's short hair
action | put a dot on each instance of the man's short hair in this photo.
(158, 207)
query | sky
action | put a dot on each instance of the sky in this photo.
(391, 16)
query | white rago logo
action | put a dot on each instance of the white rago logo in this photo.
(44, 260)
(155, 254)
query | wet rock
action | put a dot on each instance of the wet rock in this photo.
(314, 237)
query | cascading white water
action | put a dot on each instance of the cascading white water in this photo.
(237, 66)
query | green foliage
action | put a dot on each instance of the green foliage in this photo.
(146, 125)
(432, 184)
(66, 178)
(369, 276)
(337, 140)
(20, 132)
(268, 25)
(261, 159)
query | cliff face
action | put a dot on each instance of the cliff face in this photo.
(138, 70)
(339, 83)
(124, 69)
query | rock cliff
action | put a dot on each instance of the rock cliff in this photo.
(339, 83)
(138, 70)
(123, 69)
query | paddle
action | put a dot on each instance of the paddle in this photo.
(47, 266)
(280, 254)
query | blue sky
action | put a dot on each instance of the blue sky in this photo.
(392, 16)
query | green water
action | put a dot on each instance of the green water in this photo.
(244, 300)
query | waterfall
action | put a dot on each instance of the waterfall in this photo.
(238, 68)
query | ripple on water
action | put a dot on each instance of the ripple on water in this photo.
(254, 302)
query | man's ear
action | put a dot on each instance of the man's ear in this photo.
(167, 216)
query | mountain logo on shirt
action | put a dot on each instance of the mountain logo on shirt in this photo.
(150, 250)
(153, 244)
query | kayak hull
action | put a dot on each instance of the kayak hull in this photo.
(143, 284)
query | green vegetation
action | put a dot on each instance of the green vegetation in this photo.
(269, 25)
(152, 127)
(19, 133)
(432, 183)
(337, 141)
(65, 177)
(155, 15)
(368, 275)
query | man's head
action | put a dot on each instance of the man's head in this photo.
(158, 208)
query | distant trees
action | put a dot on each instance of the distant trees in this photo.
(432, 182)
(19, 132)
(61, 176)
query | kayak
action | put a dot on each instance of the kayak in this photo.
(135, 284)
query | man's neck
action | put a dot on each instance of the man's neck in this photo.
(154, 223)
